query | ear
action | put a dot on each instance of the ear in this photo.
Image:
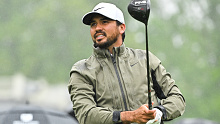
(122, 28)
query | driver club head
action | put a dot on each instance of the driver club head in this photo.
(140, 10)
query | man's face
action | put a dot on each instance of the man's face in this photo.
(104, 32)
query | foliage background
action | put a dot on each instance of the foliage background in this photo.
(44, 38)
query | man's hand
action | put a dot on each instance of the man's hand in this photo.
(141, 115)
(157, 119)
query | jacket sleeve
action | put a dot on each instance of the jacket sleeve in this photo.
(173, 105)
(84, 105)
(172, 101)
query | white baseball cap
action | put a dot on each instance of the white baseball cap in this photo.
(106, 9)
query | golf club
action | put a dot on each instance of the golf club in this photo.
(140, 10)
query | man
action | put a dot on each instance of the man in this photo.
(111, 85)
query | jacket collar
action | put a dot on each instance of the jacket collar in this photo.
(104, 53)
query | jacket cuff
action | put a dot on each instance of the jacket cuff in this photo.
(116, 117)
(163, 110)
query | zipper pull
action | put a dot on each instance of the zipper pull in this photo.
(113, 59)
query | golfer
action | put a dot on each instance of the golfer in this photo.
(111, 85)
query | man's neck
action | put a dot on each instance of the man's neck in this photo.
(116, 44)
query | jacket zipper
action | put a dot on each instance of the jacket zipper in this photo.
(119, 81)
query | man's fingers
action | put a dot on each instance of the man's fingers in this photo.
(147, 104)
(147, 111)
(150, 115)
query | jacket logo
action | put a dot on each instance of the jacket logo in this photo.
(134, 64)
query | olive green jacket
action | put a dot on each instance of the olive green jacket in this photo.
(105, 83)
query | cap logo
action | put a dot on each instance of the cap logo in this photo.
(99, 8)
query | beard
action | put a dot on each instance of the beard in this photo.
(110, 40)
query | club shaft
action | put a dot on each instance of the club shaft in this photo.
(148, 71)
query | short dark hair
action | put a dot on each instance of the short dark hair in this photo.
(123, 35)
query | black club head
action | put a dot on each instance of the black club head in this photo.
(140, 10)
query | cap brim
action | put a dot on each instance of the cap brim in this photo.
(87, 18)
